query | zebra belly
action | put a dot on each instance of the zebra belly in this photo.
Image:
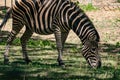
(44, 30)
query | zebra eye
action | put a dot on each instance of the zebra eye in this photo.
(93, 49)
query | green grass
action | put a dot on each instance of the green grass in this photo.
(118, 44)
(44, 65)
(43, 54)
(118, 1)
(117, 20)
(4, 11)
(32, 43)
(88, 7)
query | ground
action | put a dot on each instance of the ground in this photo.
(44, 65)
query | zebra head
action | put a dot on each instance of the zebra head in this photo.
(81, 24)
(90, 52)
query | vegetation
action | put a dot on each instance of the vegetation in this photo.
(118, 1)
(117, 20)
(88, 7)
(4, 11)
(43, 54)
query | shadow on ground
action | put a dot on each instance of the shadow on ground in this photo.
(48, 68)
(16, 71)
(105, 47)
(110, 48)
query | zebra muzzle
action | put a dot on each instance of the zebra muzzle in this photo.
(95, 64)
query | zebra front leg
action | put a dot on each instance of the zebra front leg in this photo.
(59, 46)
(11, 37)
(24, 39)
(6, 59)
(9, 42)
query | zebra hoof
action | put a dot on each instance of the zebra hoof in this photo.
(61, 63)
(6, 61)
(28, 61)
(0, 40)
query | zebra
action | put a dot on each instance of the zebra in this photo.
(56, 17)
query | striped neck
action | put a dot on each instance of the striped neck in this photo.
(72, 17)
(81, 24)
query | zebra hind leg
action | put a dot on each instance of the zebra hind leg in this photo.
(24, 39)
(59, 48)
(11, 37)
(63, 39)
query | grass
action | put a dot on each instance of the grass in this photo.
(118, 1)
(43, 54)
(117, 20)
(4, 11)
(44, 65)
(88, 7)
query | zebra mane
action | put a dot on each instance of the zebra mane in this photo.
(80, 11)
(42, 1)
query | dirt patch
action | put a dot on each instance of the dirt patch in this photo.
(106, 22)
(8, 3)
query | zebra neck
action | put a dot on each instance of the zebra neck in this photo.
(80, 23)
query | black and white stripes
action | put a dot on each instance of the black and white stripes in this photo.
(54, 16)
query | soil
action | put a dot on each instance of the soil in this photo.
(106, 21)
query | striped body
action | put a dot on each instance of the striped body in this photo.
(38, 15)
(53, 16)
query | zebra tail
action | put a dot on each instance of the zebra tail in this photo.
(7, 16)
